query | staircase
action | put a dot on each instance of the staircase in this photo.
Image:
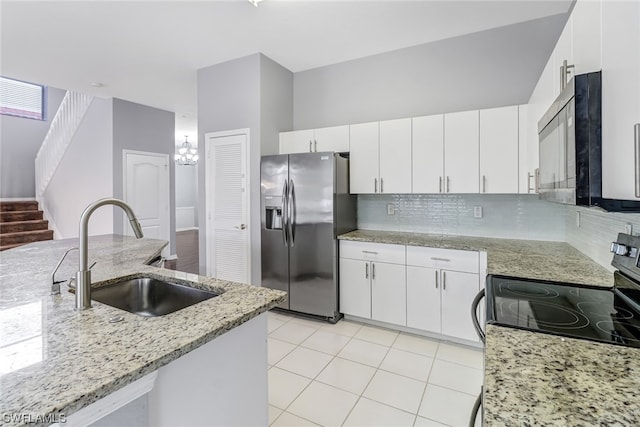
(21, 223)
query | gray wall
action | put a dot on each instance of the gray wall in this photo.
(143, 128)
(251, 92)
(20, 140)
(491, 68)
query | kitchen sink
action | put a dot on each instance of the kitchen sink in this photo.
(149, 297)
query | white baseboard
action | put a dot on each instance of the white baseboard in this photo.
(17, 199)
(187, 229)
(172, 257)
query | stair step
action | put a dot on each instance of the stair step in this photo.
(12, 216)
(5, 247)
(16, 226)
(22, 205)
(25, 237)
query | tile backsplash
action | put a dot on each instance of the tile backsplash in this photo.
(503, 216)
(597, 230)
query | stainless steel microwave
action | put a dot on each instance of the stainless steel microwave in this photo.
(570, 144)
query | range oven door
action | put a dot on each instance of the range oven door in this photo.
(481, 334)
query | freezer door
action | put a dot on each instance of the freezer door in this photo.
(274, 178)
(312, 242)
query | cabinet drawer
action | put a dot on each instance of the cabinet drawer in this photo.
(448, 259)
(393, 254)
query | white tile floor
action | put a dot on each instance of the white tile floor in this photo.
(351, 374)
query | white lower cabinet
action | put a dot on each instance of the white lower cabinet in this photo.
(427, 289)
(370, 288)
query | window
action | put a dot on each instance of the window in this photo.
(22, 99)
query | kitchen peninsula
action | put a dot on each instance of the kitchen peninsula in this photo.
(59, 363)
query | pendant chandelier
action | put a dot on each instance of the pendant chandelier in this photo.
(186, 155)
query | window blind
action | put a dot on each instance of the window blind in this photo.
(21, 99)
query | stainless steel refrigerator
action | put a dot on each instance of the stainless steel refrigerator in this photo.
(305, 204)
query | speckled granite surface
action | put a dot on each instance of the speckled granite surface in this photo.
(534, 379)
(58, 360)
(521, 258)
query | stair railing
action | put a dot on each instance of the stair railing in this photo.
(63, 127)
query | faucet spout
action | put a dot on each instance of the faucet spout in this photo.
(83, 276)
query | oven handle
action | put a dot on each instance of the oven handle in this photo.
(474, 315)
(476, 409)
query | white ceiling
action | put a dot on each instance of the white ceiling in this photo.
(148, 51)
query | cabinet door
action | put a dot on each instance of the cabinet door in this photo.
(563, 51)
(423, 298)
(428, 154)
(499, 150)
(363, 158)
(620, 96)
(298, 141)
(388, 293)
(355, 287)
(526, 164)
(461, 152)
(335, 138)
(458, 291)
(395, 156)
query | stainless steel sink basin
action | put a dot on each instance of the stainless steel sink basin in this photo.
(147, 296)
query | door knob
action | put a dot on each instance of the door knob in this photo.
(242, 227)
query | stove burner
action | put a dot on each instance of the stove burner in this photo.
(526, 290)
(620, 332)
(544, 314)
(600, 310)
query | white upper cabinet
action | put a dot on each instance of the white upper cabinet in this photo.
(395, 156)
(380, 157)
(335, 138)
(620, 96)
(428, 154)
(363, 158)
(461, 152)
(499, 150)
(563, 51)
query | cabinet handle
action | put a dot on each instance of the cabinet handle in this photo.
(373, 271)
(370, 252)
(381, 185)
(484, 183)
(375, 185)
(529, 176)
(310, 150)
(436, 278)
(366, 270)
(315, 145)
(537, 172)
(435, 258)
(636, 135)
(439, 184)
(444, 280)
(447, 184)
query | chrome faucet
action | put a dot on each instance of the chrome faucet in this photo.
(83, 276)
(55, 285)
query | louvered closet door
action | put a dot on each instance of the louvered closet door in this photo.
(230, 246)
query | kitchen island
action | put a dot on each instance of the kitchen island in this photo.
(57, 361)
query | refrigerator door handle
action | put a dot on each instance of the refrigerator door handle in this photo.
(292, 213)
(284, 207)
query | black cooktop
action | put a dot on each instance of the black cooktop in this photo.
(577, 311)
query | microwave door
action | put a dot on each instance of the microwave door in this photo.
(570, 144)
(549, 167)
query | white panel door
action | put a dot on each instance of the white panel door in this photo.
(499, 150)
(299, 141)
(388, 293)
(395, 156)
(461, 152)
(457, 293)
(227, 227)
(423, 298)
(146, 190)
(428, 154)
(620, 96)
(355, 287)
(334, 138)
(363, 158)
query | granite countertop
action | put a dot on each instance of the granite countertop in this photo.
(556, 261)
(535, 379)
(56, 360)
